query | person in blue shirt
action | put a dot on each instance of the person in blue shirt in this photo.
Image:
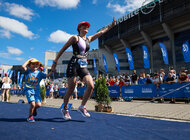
(32, 85)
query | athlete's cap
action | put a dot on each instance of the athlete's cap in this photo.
(83, 23)
(35, 61)
(6, 74)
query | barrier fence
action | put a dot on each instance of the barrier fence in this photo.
(164, 90)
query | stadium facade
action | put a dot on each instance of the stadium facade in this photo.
(165, 21)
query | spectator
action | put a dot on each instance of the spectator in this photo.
(51, 91)
(116, 82)
(6, 87)
(121, 82)
(56, 91)
(142, 79)
(148, 79)
(170, 79)
(127, 81)
(111, 82)
(134, 78)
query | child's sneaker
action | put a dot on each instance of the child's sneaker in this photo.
(30, 119)
(65, 114)
(83, 111)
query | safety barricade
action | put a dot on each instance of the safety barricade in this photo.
(62, 91)
(139, 91)
(114, 91)
(174, 90)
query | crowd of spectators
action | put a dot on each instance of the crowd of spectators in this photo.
(120, 80)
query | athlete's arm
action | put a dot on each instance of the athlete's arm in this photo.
(71, 41)
(98, 34)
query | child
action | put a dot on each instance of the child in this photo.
(32, 87)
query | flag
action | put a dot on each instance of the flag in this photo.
(94, 64)
(164, 53)
(186, 51)
(10, 74)
(8, 71)
(2, 73)
(130, 58)
(18, 76)
(146, 57)
(105, 63)
(21, 77)
(116, 61)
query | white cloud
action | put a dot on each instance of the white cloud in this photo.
(4, 55)
(15, 26)
(59, 37)
(31, 49)
(94, 1)
(13, 50)
(61, 4)
(5, 33)
(128, 6)
(19, 11)
(19, 58)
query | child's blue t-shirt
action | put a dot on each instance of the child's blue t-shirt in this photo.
(32, 80)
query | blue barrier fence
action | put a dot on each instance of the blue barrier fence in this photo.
(164, 90)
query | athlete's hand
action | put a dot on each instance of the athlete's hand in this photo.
(113, 22)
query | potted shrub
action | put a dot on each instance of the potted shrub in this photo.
(102, 96)
(43, 94)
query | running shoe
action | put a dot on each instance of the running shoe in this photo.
(83, 111)
(30, 119)
(65, 114)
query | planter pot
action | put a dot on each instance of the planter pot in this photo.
(107, 109)
(99, 108)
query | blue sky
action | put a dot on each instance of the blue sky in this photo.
(28, 28)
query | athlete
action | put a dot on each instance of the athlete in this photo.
(77, 66)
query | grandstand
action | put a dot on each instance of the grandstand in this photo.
(167, 22)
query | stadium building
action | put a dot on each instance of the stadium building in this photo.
(165, 21)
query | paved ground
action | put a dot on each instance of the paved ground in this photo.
(178, 111)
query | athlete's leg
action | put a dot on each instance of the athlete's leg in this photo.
(71, 87)
(90, 85)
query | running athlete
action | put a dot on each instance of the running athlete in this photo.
(78, 65)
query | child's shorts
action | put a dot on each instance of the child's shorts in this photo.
(33, 96)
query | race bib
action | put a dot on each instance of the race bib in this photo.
(82, 63)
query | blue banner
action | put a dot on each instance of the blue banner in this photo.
(18, 77)
(149, 90)
(94, 64)
(174, 90)
(80, 91)
(11, 74)
(62, 91)
(186, 51)
(130, 58)
(21, 77)
(146, 57)
(114, 91)
(116, 61)
(164, 53)
(2, 74)
(105, 63)
(8, 71)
